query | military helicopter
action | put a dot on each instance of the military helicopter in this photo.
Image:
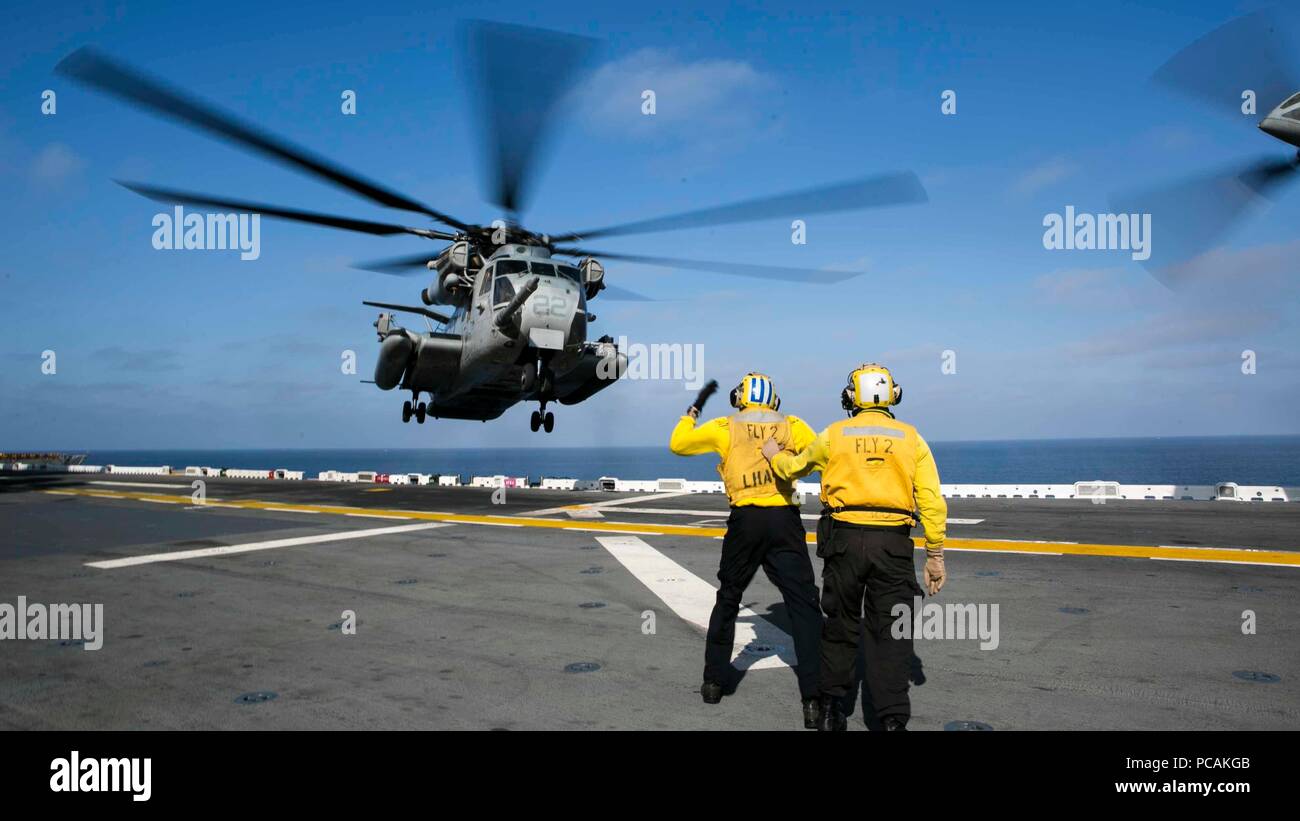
(1243, 70)
(518, 326)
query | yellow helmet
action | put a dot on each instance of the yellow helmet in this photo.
(755, 391)
(870, 386)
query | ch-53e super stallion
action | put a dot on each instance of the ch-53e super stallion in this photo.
(518, 326)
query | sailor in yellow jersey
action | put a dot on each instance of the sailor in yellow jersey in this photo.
(764, 529)
(878, 480)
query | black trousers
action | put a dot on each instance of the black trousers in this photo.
(773, 538)
(867, 571)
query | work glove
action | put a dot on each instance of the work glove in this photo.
(770, 449)
(935, 575)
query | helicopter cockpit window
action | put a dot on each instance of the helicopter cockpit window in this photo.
(1292, 100)
(544, 269)
(484, 277)
(503, 292)
(512, 266)
(572, 273)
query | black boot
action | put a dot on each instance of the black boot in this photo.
(812, 713)
(832, 719)
(712, 692)
(894, 724)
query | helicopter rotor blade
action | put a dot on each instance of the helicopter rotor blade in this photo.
(398, 266)
(777, 272)
(412, 309)
(1192, 215)
(98, 71)
(617, 293)
(869, 192)
(1250, 52)
(521, 74)
(346, 223)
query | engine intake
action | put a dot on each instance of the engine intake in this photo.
(593, 276)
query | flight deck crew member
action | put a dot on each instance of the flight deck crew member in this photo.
(878, 478)
(764, 529)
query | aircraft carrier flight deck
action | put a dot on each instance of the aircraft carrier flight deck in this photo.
(316, 604)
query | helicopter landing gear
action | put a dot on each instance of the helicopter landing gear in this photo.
(547, 382)
(536, 377)
(538, 380)
(413, 407)
(543, 419)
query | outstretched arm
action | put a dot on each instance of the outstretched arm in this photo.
(689, 440)
(788, 465)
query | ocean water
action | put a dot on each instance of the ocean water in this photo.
(1254, 460)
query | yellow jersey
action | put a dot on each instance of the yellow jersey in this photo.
(738, 440)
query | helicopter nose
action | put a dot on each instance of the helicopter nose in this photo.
(549, 314)
(1282, 127)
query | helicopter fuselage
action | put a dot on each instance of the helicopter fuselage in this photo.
(1283, 122)
(518, 333)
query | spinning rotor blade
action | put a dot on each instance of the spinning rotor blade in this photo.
(869, 192)
(398, 266)
(617, 294)
(412, 309)
(1190, 216)
(98, 71)
(346, 223)
(521, 75)
(1251, 52)
(779, 272)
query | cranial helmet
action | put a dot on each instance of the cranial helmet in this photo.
(755, 391)
(870, 386)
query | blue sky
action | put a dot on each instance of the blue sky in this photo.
(1054, 108)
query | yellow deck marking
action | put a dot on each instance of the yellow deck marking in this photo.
(1230, 555)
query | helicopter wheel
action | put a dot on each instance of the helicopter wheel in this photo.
(535, 421)
(419, 413)
(528, 379)
(548, 421)
(406, 411)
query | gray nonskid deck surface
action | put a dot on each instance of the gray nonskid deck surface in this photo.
(472, 626)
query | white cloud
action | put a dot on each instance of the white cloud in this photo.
(1241, 270)
(54, 164)
(709, 95)
(1070, 285)
(1043, 175)
(1180, 332)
